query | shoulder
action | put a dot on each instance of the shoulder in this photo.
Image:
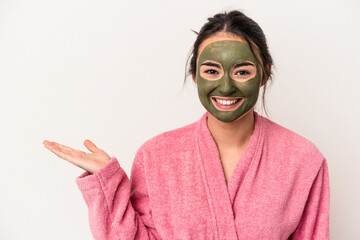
(286, 141)
(173, 140)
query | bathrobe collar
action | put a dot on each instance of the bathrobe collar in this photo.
(221, 196)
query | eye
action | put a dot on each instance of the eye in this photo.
(211, 71)
(242, 72)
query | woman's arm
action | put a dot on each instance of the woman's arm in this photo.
(118, 208)
(314, 223)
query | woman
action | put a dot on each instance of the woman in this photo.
(233, 174)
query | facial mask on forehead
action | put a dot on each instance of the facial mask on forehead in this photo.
(227, 53)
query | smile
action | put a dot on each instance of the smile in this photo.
(226, 103)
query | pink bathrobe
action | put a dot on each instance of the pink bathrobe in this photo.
(177, 190)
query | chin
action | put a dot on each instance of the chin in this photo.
(227, 119)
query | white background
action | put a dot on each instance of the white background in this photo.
(112, 72)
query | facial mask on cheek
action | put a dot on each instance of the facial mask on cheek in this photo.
(227, 53)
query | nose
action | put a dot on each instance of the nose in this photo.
(226, 86)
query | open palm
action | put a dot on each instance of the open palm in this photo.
(90, 162)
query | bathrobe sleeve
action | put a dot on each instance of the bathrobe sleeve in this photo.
(314, 223)
(118, 208)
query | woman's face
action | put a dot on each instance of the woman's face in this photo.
(228, 77)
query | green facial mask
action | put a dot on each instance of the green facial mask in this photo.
(227, 53)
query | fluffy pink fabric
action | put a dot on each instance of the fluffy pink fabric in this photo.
(177, 190)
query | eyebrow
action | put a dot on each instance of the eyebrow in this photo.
(243, 64)
(211, 64)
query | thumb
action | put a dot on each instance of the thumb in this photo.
(90, 146)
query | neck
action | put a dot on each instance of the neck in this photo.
(232, 135)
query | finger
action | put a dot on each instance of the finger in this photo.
(76, 157)
(58, 150)
(67, 148)
(47, 143)
(91, 146)
(65, 152)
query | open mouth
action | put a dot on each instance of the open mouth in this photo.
(226, 103)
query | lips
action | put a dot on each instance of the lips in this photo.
(226, 103)
(226, 98)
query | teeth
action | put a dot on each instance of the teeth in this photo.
(226, 102)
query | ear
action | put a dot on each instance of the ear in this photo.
(194, 78)
(264, 81)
